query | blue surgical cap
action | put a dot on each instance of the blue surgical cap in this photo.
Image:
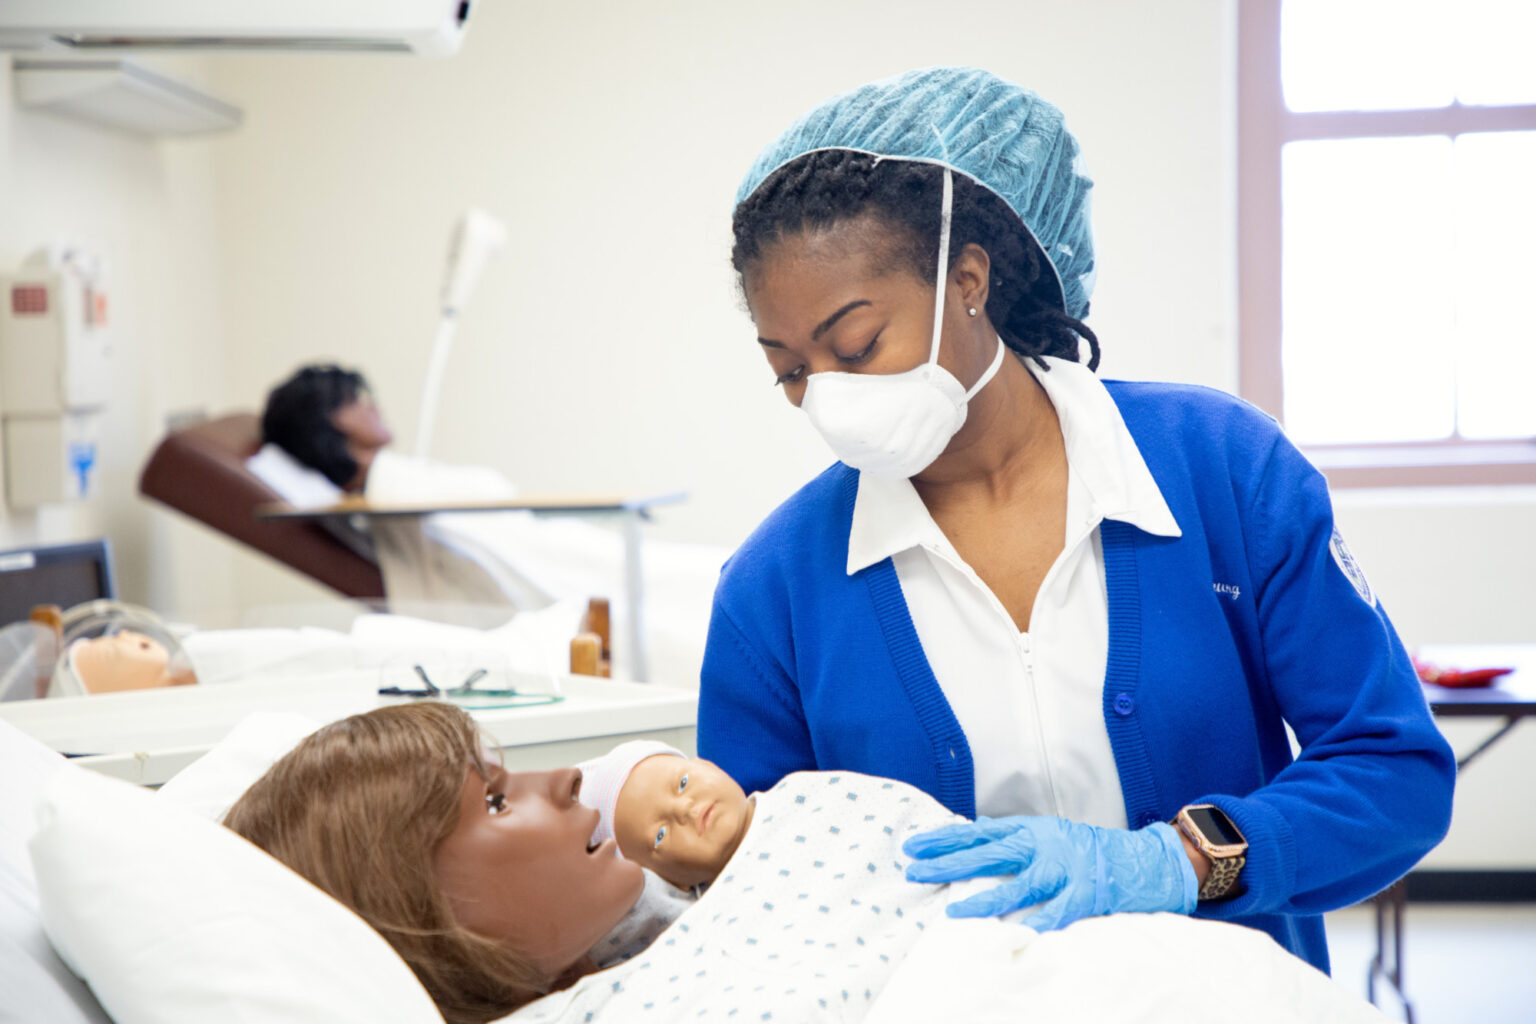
(1000, 135)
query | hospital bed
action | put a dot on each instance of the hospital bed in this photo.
(122, 905)
(169, 918)
(194, 935)
(200, 471)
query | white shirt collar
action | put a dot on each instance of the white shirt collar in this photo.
(889, 517)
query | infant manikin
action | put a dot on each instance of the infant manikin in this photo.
(681, 818)
(116, 647)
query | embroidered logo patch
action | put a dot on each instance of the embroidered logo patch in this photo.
(1351, 568)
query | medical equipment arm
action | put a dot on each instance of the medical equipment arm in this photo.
(476, 238)
(1073, 870)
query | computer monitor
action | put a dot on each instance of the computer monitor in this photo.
(61, 574)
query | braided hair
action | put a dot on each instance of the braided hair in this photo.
(825, 187)
(297, 419)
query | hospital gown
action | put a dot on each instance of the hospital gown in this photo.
(805, 923)
(813, 915)
(660, 904)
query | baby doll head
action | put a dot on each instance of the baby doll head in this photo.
(118, 648)
(681, 817)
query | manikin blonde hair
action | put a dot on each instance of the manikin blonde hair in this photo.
(359, 808)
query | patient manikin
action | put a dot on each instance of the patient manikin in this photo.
(811, 919)
(110, 647)
(680, 818)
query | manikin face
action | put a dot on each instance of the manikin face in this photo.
(824, 301)
(516, 867)
(365, 430)
(124, 661)
(681, 817)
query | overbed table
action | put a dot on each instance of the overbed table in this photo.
(629, 511)
(1511, 698)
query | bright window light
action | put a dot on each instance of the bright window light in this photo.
(1495, 267)
(1406, 54)
(1367, 301)
(1365, 54)
(1493, 61)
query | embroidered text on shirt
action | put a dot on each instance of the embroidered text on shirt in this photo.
(1227, 590)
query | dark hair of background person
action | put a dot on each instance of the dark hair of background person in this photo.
(298, 419)
(358, 808)
(827, 187)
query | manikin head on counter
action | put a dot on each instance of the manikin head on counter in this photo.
(125, 661)
(115, 648)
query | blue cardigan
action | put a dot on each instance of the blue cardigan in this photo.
(1255, 618)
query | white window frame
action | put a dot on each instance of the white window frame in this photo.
(1265, 125)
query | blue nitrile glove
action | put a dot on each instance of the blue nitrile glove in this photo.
(1075, 870)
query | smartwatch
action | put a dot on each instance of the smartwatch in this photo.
(1214, 835)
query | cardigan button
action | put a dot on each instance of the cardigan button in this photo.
(1124, 704)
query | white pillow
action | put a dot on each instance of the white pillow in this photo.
(300, 485)
(211, 784)
(173, 919)
(35, 985)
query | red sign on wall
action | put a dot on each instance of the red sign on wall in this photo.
(29, 299)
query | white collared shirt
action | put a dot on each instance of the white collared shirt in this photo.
(1031, 704)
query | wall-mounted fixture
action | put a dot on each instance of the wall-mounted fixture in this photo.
(55, 375)
(425, 27)
(120, 94)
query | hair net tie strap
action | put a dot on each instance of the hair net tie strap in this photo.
(941, 279)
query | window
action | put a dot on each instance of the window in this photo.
(1387, 234)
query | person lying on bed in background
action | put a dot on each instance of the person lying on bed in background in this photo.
(325, 417)
(325, 438)
(488, 885)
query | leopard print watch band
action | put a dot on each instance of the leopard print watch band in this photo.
(1223, 877)
(1214, 835)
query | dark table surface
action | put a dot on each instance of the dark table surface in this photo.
(1513, 695)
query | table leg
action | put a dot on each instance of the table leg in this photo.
(1391, 903)
(634, 592)
(1470, 756)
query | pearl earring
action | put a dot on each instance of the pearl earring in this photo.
(970, 311)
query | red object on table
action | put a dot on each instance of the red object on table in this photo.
(1457, 678)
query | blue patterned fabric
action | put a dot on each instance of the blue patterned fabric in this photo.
(999, 134)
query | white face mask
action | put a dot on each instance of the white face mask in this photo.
(896, 424)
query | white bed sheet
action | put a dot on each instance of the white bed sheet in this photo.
(1129, 968)
(35, 985)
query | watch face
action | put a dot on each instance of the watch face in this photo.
(1215, 826)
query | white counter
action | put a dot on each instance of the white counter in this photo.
(147, 736)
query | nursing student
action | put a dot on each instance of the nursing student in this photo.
(1082, 612)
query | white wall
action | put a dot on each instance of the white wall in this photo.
(146, 206)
